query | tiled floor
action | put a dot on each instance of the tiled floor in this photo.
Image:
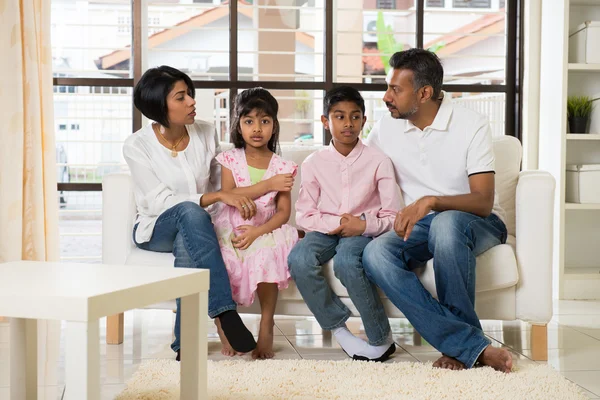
(573, 343)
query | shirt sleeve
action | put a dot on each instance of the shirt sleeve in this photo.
(156, 195)
(480, 153)
(308, 216)
(389, 195)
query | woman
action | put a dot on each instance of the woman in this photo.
(175, 179)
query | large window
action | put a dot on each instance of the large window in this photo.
(295, 48)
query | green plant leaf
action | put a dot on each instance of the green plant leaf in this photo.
(386, 44)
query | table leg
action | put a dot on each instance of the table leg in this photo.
(194, 352)
(23, 359)
(82, 361)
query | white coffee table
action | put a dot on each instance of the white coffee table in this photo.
(81, 294)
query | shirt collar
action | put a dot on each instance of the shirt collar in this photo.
(442, 118)
(350, 158)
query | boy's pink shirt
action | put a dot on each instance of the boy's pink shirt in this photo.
(362, 183)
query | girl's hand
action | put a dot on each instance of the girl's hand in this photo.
(245, 205)
(246, 238)
(281, 183)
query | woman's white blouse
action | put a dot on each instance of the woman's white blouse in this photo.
(161, 181)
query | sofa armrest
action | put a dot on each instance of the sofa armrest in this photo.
(118, 214)
(534, 248)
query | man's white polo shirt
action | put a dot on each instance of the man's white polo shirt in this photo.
(438, 160)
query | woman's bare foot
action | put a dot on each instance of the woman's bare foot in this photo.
(449, 363)
(498, 358)
(226, 348)
(264, 344)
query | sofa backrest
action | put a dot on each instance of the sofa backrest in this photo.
(119, 204)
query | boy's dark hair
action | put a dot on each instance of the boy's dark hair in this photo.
(262, 101)
(342, 93)
(425, 65)
(150, 93)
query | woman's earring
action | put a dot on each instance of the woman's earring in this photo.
(161, 130)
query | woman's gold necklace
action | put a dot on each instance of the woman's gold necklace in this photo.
(173, 146)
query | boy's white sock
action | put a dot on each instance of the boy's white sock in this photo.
(357, 348)
(350, 343)
(376, 352)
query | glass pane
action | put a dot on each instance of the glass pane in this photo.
(91, 38)
(368, 33)
(470, 42)
(300, 116)
(190, 36)
(492, 105)
(90, 124)
(80, 226)
(280, 40)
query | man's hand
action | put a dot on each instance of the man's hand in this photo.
(410, 215)
(281, 183)
(246, 238)
(349, 226)
(245, 205)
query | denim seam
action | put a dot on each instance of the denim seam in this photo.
(221, 310)
(338, 324)
(477, 353)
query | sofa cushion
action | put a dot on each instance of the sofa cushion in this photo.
(496, 269)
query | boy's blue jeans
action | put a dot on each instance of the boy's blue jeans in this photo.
(453, 239)
(187, 231)
(305, 262)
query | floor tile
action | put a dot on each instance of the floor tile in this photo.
(558, 338)
(577, 307)
(589, 380)
(44, 392)
(580, 359)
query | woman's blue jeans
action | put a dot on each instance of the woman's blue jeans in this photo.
(186, 230)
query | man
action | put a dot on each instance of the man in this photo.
(444, 162)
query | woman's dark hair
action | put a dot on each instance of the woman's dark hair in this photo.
(150, 93)
(262, 101)
(425, 65)
(342, 93)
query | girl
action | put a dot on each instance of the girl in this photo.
(256, 250)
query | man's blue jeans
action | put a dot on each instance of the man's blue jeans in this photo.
(305, 262)
(453, 239)
(187, 231)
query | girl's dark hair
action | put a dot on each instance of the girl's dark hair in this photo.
(262, 101)
(150, 93)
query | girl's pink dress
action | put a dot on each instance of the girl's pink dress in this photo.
(266, 258)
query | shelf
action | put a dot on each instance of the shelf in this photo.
(588, 272)
(577, 206)
(585, 3)
(583, 136)
(584, 67)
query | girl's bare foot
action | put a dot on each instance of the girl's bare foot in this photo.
(498, 358)
(449, 363)
(264, 344)
(226, 348)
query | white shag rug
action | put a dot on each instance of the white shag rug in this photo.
(310, 379)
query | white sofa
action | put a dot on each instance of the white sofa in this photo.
(514, 280)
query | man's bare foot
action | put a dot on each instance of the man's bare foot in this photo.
(226, 348)
(449, 363)
(264, 344)
(498, 358)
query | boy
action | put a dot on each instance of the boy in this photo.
(348, 195)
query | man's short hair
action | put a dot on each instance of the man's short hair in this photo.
(150, 93)
(425, 65)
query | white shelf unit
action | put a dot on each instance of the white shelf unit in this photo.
(576, 226)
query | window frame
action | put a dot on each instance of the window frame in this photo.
(511, 88)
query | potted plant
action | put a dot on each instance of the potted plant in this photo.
(579, 109)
